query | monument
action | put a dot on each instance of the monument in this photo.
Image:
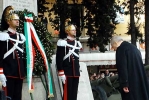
(30, 5)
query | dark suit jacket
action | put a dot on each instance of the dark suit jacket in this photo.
(131, 72)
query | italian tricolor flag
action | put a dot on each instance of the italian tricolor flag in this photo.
(31, 35)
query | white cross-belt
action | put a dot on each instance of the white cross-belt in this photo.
(14, 47)
(71, 51)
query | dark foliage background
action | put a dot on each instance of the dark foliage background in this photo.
(97, 16)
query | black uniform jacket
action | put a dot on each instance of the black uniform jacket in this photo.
(131, 72)
(70, 65)
(13, 65)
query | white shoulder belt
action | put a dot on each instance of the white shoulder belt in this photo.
(64, 43)
(6, 37)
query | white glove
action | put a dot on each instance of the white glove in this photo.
(62, 76)
(3, 80)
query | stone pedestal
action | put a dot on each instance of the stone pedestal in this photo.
(84, 90)
(39, 92)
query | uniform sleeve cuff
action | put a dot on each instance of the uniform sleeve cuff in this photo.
(1, 70)
(61, 72)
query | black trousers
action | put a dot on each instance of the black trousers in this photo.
(13, 88)
(70, 88)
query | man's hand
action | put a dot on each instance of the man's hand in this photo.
(125, 89)
(62, 76)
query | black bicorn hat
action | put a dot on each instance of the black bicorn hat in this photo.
(4, 25)
(63, 26)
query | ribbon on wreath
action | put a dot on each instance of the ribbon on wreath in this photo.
(31, 35)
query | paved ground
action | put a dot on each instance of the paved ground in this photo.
(115, 97)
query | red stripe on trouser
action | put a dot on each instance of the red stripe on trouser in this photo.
(65, 90)
(5, 89)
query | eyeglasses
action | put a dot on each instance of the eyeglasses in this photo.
(72, 30)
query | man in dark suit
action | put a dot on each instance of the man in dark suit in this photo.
(12, 70)
(131, 72)
(67, 61)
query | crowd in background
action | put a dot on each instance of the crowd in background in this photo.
(100, 75)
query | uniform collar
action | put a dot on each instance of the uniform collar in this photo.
(11, 30)
(70, 38)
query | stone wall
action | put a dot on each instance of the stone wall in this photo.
(38, 93)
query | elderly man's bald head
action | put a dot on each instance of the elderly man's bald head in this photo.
(116, 41)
